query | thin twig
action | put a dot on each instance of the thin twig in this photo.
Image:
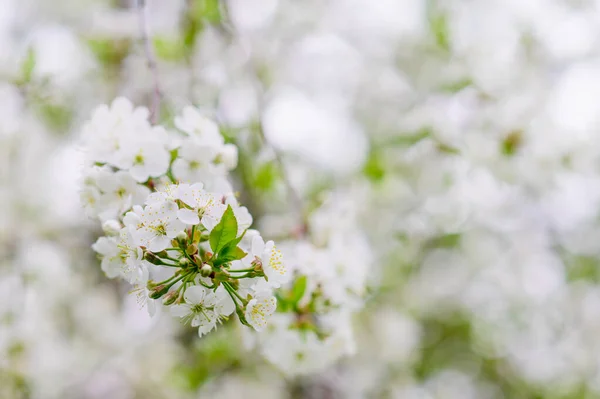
(189, 59)
(150, 59)
(292, 194)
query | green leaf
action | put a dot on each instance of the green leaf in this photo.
(210, 10)
(224, 232)
(174, 154)
(169, 49)
(204, 360)
(373, 168)
(229, 253)
(282, 303)
(28, 66)
(445, 148)
(238, 253)
(410, 139)
(457, 86)
(110, 53)
(198, 15)
(298, 290)
(438, 23)
(191, 27)
(451, 240)
(265, 177)
(511, 143)
(57, 117)
(582, 268)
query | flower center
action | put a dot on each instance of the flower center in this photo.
(139, 159)
(276, 261)
(197, 308)
(160, 230)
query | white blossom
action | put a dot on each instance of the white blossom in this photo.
(206, 207)
(120, 256)
(155, 225)
(270, 258)
(204, 309)
(259, 309)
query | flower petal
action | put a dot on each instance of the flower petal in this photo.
(194, 295)
(188, 216)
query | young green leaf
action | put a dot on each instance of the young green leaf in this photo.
(282, 303)
(224, 232)
(28, 65)
(229, 253)
(298, 290)
(236, 241)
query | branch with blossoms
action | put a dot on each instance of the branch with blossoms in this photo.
(187, 244)
(176, 232)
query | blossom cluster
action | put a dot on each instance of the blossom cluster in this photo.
(173, 226)
(478, 173)
(331, 266)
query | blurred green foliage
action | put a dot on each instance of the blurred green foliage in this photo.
(210, 357)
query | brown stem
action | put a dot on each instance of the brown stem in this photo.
(150, 59)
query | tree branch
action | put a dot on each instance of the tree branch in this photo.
(292, 194)
(150, 59)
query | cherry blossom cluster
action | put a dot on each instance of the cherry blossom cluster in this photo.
(174, 228)
(313, 327)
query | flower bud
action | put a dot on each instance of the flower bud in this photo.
(158, 291)
(170, 298)
(192, 249)
(153, 258)
(197, 259)
(111, 227)
(205, 270)
(184, 262)
(257, 264)
(182, 238)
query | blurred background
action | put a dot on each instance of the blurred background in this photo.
(462, 136)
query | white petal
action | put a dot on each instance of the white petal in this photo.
(243, 217)
(206, 321)
(151, 306)
(188, 216)
(209, 222)
(197, 186)
(258, 245)
(210, 299)
(131, 219)
(225, 306)
(180, 310)
(105, 246)
(180, 171)
(155, 198)
(159, 243)
(139, 173)
(194, 294)
(174, 228)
